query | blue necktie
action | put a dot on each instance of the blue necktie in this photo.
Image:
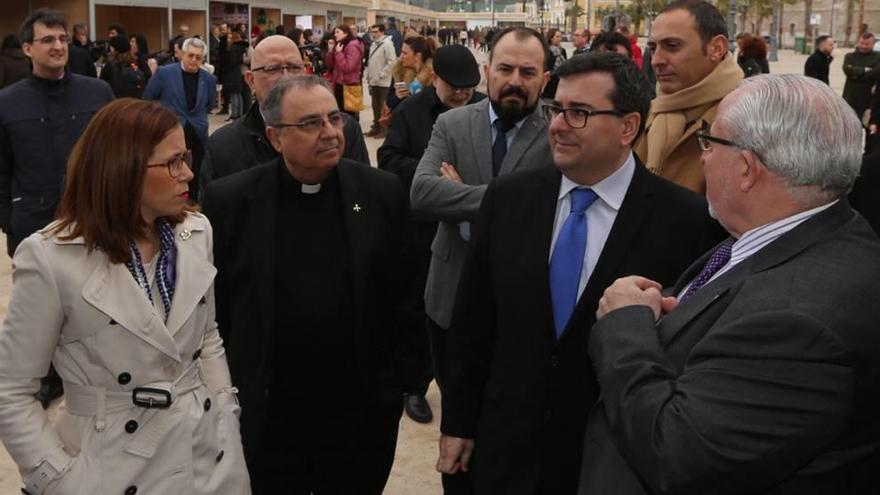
(567, 261)
(499, 147)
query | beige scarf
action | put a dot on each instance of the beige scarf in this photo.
(670, 113)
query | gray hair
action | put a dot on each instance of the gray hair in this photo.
(272, 105)
(193, 43)
(802, 131)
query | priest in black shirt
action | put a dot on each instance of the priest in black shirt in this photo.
(308, 249)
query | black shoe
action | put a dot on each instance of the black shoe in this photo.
(223, 111)
(417, 408)
(48, 392)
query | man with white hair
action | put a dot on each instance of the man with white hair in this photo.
(189, 91)
(757, 372)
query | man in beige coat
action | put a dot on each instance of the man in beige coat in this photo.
(694, 72)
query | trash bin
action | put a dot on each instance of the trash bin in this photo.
(808, 48)
(799, 44)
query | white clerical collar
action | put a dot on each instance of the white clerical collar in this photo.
(311, 188)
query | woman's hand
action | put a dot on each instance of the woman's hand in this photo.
(872, 128)
(338, 47)
(402, 92)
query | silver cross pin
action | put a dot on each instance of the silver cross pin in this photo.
(186, 234)
(356, 208)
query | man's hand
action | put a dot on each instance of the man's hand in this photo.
(455, 454)
(872, 128)
(448, 172)
(635, 291)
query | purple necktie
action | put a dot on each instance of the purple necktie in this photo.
(718, 259)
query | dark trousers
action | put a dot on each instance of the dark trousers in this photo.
(194, 144)
(313, 453)
(459, 483)
(340, 101)
(377, 95)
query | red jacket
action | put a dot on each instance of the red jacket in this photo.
(636, 51)
(345, 66)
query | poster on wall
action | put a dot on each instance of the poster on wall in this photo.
(333, 18)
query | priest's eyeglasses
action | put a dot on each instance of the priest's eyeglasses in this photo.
(175, 164)
(576, 118)
(314, 124)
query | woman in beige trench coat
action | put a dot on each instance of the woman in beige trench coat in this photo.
(118, 294)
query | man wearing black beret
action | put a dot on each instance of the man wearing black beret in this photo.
(456, 74)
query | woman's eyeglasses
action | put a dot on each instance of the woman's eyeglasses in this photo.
(175, 164)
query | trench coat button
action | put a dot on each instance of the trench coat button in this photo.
(554, 361)
(197, 355)
(207, 404)
(123, 378)
(131, 426)
(220, 456)
(113, 322)
(548, 414)
(131, 490)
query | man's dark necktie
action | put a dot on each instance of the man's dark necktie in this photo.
(567, 260)
(718, 259)
(499, 147)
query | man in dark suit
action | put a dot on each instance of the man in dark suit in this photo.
(547, 243)
(307, 248)
(758, 373)
(189, 91)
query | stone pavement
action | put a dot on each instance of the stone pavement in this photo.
(413, 472)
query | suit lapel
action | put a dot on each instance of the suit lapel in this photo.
(527, 134)
(259, 230)
(779, 251)
(359, 217)
(193, 276)
(536, 248)
(635, 207)
(113, 291)
(482, 139)
(179, 90)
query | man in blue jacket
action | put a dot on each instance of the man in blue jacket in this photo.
(190, 91)
(41, 117)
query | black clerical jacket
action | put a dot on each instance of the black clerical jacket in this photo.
(243, 211)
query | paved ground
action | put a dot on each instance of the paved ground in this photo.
(413, 472)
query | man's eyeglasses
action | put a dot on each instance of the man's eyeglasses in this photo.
(175, 164)
(575, 117)
(705, 141)
(313, 125)
(274, 69)
(50, 40)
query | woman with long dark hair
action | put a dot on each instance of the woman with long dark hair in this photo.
(118, 294)
(344, 60)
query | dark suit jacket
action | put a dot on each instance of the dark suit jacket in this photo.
(764, 381)
(521, 394)
(242, 208)
(166, 85)
(865, 194)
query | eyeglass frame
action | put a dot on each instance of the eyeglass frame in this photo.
(63, 38)
(325, 119)
(185, 157)
(282, 68)
(588, 113)
(703, 135)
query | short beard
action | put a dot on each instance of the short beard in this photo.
(512, 111)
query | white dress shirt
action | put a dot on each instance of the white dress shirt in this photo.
(600, 215)
(756, 239)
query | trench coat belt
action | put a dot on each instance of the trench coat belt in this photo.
(86, 400)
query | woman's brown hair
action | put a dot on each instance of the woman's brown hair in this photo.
(105, 177)
(421, 45)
